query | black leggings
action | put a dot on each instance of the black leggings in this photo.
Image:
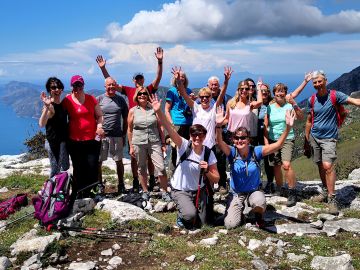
(85, 159)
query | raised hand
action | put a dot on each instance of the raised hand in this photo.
(259, 83)
(159, 54)
(45, 99)
(308, 76)
(155, 102)
(219, 116)
(176, 72)
(227, 73)
(101, 61)
(290, 117)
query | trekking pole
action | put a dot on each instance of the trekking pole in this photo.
(16, 220)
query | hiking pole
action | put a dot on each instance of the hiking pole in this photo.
(16, 220)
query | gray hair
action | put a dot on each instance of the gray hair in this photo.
(317, 73)
(213, 78)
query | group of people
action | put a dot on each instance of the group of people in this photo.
(206, 132)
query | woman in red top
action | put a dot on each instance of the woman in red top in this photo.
(85, 126)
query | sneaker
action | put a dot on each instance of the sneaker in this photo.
(291, 201)
(145, 196)
(321, 197)
(333, 205)
(165, 196)
(269, 188)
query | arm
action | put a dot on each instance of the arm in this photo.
(227, 74)
(298, 111)
(256, 104)
(102, 63)
(47, 111)
(219, 139)
(308, 125)
(167, 111)
(273, 147)
(159, 54)
(266, 132)
(301, 87)
(211, 172)
(353, 101)
(181, 88)
(99, 120)
(156, 104)
(130, 121)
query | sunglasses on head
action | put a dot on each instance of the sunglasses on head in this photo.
(202, 97)
(142, 94)
(240, 137)
(55, 87)
(78, 84)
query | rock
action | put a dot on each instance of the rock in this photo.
(190, 258)
(29, 242)
(279, 252)
(89, 265)
(83, 205)
(241, 243)
(193, 232)
(355, 204)
(209, 241)
(259, 264)
(342, 262)
(317, 224)
(349, 224)
(324, 217)
(5, 263)
(331, 229)
(254, 244)
(292, 257)
(107, 252)
(354, 175)
(116, 246)
(122, 212)
(32, 260)
(298, 229)
(4, 189)
(115, 261)
(160, 206)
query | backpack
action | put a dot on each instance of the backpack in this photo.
(253, 158)
(54, 199)
(341, 112)
(134, 199)
(12, 204)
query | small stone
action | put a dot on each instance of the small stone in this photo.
(209, 241)
(192, 232)
(223, 231)
(4, 189)
(259, 264)
(325, 217)
(107, 252)
(241, 243)
(279, 252)
(317, 224)
(115, 261)
(254, 244)
(190, 258)
(292, 257)
(116, 246)
(342, 262)
(5, 263)
(82, 265)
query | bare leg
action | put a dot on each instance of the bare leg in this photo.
(322, 173)
(330, 174)
(289, 174)
(278, 175)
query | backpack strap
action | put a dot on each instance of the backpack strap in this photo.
(337, 107)
(312, 102)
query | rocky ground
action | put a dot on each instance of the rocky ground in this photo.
(127, 237)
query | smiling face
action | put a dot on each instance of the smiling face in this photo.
(110, 87)
(319, 82)
(214, 86)
(243, 90)
(197, 135)
(265, 91)
(280, 91)
(205, 97)
(55, 89)
(241, 138)
(141, 96)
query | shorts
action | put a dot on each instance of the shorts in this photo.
(113, 147)
(323, 150)
(152, 150)
(284, 153)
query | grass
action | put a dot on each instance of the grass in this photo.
(26, 183)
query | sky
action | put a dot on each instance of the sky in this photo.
(269, 38)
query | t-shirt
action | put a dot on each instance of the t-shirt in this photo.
(115, 110)
(186, 175)
(82, 122)
(245, 174)
(277, 122)
(179, 107)
(130, 92)
(325, 121)
(206, 118)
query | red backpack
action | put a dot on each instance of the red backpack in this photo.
(341, 112)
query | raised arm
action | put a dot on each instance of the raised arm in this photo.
(156, 104)
(102, 63)
(273, 147)
(301, 87)
(353, 101)
(47, 111)
(257, 103)
(159, 54)
(219, 120)
(227, 74)
(180, 86)
(298, 111)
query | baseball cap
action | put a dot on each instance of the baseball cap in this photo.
(137, 75)
(76, 78)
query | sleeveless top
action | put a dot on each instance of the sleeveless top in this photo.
(56, 127)
(145, 127)
(240, 118)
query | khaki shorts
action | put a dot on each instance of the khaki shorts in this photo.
(152, 150)
(323, 149)
(284, 153)
(113, 147)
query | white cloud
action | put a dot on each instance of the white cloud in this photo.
(193, 20)
(2, 72)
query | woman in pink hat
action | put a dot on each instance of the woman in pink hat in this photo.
(85, 131)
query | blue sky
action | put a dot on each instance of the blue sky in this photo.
(45, 38)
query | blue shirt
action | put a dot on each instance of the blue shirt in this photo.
(277, 121)
(178, 107)
(245, 174)
(325, 122)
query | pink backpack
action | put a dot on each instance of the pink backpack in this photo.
(54, 200)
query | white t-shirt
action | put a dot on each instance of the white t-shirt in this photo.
(206, 118)
(186, 176)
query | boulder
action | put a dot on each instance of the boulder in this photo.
(342, 262)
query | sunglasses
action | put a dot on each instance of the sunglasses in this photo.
(142, 94)
(55, 87)
(202, 97)
(195, 134)
(77, 85)
(244, 89)
(239, 138)
(252, 86)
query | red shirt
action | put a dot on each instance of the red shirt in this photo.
(82, 121)
(130, 92)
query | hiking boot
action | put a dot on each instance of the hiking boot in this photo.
(151, 182)
(145, 196)
(269, 188)
(279, 191)
(165, 196)
(333, 205)
(121, 189)
(291, 201)
(136, 185)
(321, 197)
